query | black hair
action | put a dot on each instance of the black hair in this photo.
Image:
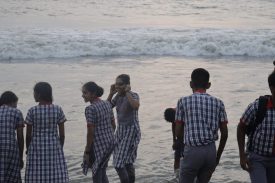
(92, 87)
(169, 114)
(271, 77)
(8, 97)
(125, 78)
(200, 78)
(43, 90)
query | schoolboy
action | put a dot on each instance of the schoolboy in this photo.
(198, 119)
(169, 116)
(259, 158)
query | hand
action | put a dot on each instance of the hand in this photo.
(174, 146)
(127, 88)
(244, 162)
(86, 158)
(21, 164)
(177, 144)
(113, 89)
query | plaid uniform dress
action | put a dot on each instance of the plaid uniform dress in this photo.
(201, 114)
(45, 160)
(10, 119)
(100, 114)
(128, 131)
(263, 140)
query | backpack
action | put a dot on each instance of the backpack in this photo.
(260, 115)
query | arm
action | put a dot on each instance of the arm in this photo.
(224, 135)
(113, 123)
(28, 136)
(90, 138)
(61, 128)
(20, 141)
(133, 102)
(112, 92)
(241, 143)
(179, 130)
(174, 134)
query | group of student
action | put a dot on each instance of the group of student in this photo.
(195, 124)
(45, 135)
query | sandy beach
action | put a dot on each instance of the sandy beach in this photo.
(160, 83)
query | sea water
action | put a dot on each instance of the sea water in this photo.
(157, 42)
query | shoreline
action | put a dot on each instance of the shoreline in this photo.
(160, 82)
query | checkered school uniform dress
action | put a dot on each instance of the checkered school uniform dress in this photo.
(10, 119)
(263, 142)
(127, 133)
(202, 115)
(100, 114)
(45, 159)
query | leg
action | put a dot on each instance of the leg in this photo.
(205, 173)
(177, 159)
(97, 178)
(258, 169)
(177, 162)
(123, 175)
(187, 175)
(270, 170)
(131, 172)
(270, 175)
(104, 176)
(190, 164)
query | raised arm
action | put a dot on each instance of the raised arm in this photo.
(112, 92)
(133, 102)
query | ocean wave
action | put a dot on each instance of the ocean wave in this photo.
(42, 44)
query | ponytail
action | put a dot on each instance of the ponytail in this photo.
(92, 87)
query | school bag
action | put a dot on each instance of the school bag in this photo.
(260, 115)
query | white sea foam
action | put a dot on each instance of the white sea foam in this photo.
(41, 44)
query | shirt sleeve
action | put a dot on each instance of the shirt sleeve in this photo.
(19, 119)
(223, 115)
(90, 115)
(250, 113)
(29, 118)
(61, 116)
(179, 117)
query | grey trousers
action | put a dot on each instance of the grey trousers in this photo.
(262, 168)
(198, 161)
